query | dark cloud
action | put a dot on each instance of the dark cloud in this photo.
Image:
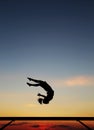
(58, 126)
(19, 124)
(35, 126)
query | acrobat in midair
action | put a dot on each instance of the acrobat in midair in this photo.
(46, 87)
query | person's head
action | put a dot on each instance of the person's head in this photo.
(40, 100)
(45, 101)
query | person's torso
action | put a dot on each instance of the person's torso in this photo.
(48, 89)
(45, 86)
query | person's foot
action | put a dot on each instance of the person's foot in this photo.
(29, 78)
(29, 84)
(38, 94)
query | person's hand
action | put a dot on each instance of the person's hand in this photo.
(28, 84)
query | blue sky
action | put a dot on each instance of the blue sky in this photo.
(49, 40)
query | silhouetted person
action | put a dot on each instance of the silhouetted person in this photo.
(46, 87)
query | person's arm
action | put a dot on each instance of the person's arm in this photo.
(41, 95)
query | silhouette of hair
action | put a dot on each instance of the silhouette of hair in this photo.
(40, 100)
(45, 101)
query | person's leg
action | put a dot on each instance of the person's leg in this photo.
(35, 80)
(35, 85)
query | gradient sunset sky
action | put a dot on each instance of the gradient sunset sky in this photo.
(50, 40)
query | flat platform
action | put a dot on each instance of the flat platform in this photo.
(47, 118)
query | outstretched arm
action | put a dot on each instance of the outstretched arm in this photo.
(41, 95)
